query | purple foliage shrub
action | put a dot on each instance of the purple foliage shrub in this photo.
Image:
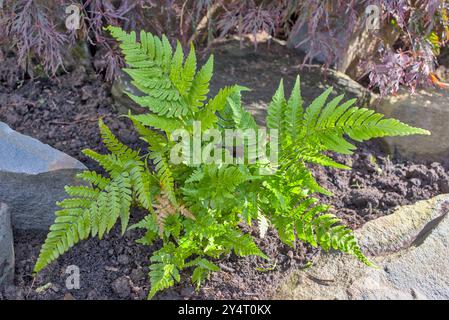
(35, 29)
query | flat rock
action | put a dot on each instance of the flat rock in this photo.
(32, 178)
(410, 248)
(6, 248)
(22, 154)
(428, 109)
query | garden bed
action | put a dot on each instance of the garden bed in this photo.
(63, 113)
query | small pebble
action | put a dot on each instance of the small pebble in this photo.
(137, 275)
(121, 287)
(123, 259)
(69, 296)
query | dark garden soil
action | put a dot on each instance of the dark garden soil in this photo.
(63, 112)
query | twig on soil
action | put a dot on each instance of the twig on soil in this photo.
(31, 288)
(323, 282)
(226, 268)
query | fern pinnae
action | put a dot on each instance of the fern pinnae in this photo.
(312, 112)
(188, 72)
(276, 109)
(200, 85)
(94, 178)
(113, 144)
(294, 111)
(328, 110)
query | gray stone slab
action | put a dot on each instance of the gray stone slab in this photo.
(6, 247)
(32, 198)
(411, 250)
(32, 178)
(22, 154)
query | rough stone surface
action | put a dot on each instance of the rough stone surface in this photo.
(122, 84)
(121, 287)
(6, 247)
(23, 154)
(32, 198)
(425, 109)
(410, 247)
(32, 178)
(352, 51)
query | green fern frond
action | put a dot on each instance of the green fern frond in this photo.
(94, 178)
(242, 119)
(95, 213)
(168, 125)
(197, 211)
(188, 72)
(200, 85)
(154, 139)
(164, 174)
(82, 191)
(276, 109)
(202, 271)
(330, 124)
(230, 108)
(71, 226)
(142, 182)
(196, 176)
(110, 162)
(114, 145)
(294, 111)
(170, 88)
(293, 153)
(242, 244)
(164, 272)
(318, 228)
(312, 112)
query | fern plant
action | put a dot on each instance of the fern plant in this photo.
(197, 210)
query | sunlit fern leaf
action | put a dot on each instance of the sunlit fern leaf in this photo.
(196, 176)
(293, 153)
(319, 228)
(328, 124)
(294, 112)
(164, 272)
(114, 145)
(168, 125)
(227, 114)
(110, 162)
(200, 85)
(82, 191)
(94, 178)
(164, 174)
(197, 211)
(242, 119)
(242, 244)
(276, 109)
(142, 182)
(202, 271)
(301, 176)
(71, 226)
(312, 112)
(171, 88)
(153, 138)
